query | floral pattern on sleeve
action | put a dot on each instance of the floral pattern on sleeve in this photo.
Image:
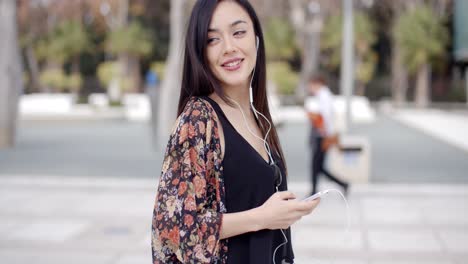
(189, 204)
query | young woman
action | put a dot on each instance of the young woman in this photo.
(222, 196)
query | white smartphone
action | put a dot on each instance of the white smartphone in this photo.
(315, 196)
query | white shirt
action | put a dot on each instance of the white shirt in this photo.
(322, 103)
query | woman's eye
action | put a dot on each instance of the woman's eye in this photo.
(239, 33)
(210, 40)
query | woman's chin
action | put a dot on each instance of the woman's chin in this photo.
(234, 82)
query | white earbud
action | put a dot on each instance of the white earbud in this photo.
(257, 42)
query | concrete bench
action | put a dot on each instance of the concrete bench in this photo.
(137, 107)
(98, 100)
(46, 104)
(351, 161)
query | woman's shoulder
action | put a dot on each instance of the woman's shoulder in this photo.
(198, 118)
(198, 106)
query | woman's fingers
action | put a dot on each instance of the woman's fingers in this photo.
(306, 207)
(284, 209)
(293, 210)
(286, 195)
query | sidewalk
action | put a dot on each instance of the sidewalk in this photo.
(107, 221)
(446, 126)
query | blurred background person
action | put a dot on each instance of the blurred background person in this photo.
(319, 109)
(152, 90)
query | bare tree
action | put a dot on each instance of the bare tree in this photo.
(308, 28)
(267, 9)
(308, 18)
(31, 25)
(170, 88)
(399, 76)
(422, 37)
(399, 71)
(10, 73)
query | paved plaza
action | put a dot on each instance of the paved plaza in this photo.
(107, 221)
(83, 192)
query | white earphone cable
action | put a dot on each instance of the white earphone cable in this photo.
(280, 245)
(265, 144)
(256, 113)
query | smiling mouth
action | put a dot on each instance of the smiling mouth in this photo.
(232, 66)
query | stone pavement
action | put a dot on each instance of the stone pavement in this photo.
(447, 126)
(49, 220)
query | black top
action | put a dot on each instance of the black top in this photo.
(249, 182)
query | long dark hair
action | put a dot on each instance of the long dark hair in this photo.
(199, 80)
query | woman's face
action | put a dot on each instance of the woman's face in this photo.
(231, 50)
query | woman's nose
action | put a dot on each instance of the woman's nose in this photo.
(229, 46)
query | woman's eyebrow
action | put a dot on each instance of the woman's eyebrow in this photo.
(235, 23)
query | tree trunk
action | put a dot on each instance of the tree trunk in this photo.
(308, 28)
(399, 72)
(422, 86)
(51, 65)
(115, 89)
(309, 62)
(76, 72)
(466, 84)
(33, 69)
(360, 88)
(399, 77)
(170, 88)
(134, 71)
(10, 73)
(122, 18)
(123, 58)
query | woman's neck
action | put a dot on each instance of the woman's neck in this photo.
(239, 94)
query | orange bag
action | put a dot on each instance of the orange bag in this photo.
(317, 121)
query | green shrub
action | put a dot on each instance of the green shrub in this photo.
(280, 41)
(422, 37)
(57, 80)
(285, 79)
(365, 36)
(134, 39)
(106, 71)
(74, 80)
(54, 78)
(159, 67)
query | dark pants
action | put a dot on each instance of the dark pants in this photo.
(318, 159)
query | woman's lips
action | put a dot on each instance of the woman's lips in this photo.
(233, 66)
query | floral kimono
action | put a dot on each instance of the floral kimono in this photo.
(190, 203)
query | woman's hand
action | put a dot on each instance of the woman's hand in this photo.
(279, 212)
(282, 210)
